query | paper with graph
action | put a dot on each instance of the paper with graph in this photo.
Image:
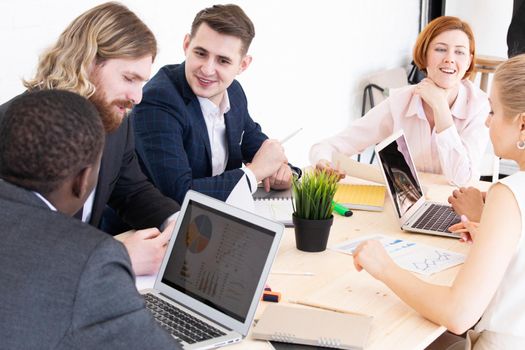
(361, 197)
(415, 257)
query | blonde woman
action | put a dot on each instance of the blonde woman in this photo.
(491, 283)
(442, 116)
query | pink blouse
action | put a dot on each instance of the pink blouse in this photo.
(455, 152)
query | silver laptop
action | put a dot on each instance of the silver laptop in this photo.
(213, 274)
(415, 214)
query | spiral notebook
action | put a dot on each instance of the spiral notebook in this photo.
(275, 205)
(361, 197)
(289, 324)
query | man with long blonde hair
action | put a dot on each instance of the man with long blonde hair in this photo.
(106, 55)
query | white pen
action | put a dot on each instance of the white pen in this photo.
(290, 136)
(242, 134)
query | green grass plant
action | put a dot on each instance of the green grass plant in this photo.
(313, 194)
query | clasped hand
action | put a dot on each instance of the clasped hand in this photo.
(270, 166)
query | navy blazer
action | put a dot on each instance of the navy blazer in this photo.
(172, 141)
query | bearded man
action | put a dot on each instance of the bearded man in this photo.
(106, 55)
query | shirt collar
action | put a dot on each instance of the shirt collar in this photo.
(209, 107)
(48, 203)
(458, 109)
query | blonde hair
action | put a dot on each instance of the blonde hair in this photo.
(107, 31)
(510, 78)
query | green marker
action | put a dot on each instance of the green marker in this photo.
(341, 209)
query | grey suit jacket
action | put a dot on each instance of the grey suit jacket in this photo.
(66, 285)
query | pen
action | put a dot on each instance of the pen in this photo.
(240, 141)
(341, 209)
(291, 135)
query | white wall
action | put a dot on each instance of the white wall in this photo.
(309, 57)
(489, 19)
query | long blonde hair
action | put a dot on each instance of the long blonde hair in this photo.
(510, 78)
(107, 31)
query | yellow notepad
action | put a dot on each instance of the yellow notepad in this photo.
(361, 197)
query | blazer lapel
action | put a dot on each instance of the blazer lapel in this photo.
(193, 103)
(234, 135)
(200, 126)
(104, 175)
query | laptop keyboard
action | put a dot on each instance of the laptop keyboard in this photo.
(179, 323)
(437, 218)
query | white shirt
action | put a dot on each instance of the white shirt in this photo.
(216, 127)
(506, 311)
(214, 119)
(455, 152)
(88, 206)
(48, 203)
(86, 210)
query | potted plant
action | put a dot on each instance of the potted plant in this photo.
(312, 202)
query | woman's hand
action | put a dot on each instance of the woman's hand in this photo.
(326, 165)
(439, 100)
(432, 94)
(372, 256)
(467, 229)
(468, 201)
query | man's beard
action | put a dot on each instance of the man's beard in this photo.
(110, 118)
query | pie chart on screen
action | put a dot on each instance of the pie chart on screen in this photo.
(199, 234)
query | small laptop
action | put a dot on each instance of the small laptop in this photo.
(415, 214)
(214, 272)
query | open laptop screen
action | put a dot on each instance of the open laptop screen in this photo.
(218, 259)
(400, 174)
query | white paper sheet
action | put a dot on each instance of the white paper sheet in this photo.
(241, 197)
(411, 256)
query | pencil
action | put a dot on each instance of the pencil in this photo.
(291, 135)
(324, 307)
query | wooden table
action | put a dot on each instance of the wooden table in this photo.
(336, 283)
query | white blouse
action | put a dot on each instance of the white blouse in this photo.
(455, 152)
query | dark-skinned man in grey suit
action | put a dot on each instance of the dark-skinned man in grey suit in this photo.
(65, 285)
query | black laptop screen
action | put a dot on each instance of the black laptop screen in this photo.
(218, 259)
(400, 175)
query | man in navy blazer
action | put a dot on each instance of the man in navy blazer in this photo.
(193, 129)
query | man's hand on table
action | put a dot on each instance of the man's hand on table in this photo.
(146, 248)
